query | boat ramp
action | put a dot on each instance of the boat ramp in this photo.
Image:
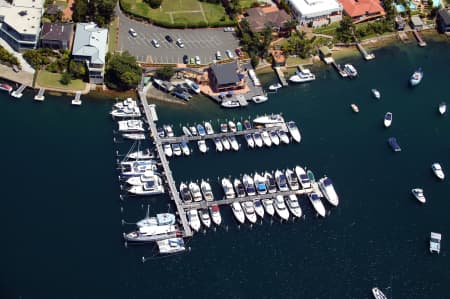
(40, 95)
(19, 92)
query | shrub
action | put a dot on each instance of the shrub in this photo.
(65, 79)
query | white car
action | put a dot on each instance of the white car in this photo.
(155, 43)
(197, 60)
(132, 32)
(229, 54)
(218, 55)
(180, 43)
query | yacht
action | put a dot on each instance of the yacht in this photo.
(275, 87)
(193, 219)
(218, 144)
(239, 126)
(274, 137)
(167, 149)
(238, 212)
(202, 146)
(126, 112)
(185, 194)
(134, 136)
(171, 245)
(388, 119)
(201, 130)
(437, 169)
(228, 188)
(268, 206)
(327, 188)
(416, 77)
(141, 155)
(317, 203)
(350, 70)
(193, 131)
(142, 179)
(293, 205)
(302, 76)
(250, 141)
(135, 168)
(261, 98)
(185, 148)
(354, 107)
(206, 190)
(129, 102)
(280, 207)
(204, 217)
(247, 124)
(239, 188)
(376, 94)
(169, 131)
(160, 219)
(269, 119)
(295, 132)
(215, 214)
(292, 179)
(232, 126)
(280, 178)
(195, 191)
(378, 294)
(223, 128)
(192, 86)
(186, 132)
(249, 185)
(131, 125)
(176, 149)
(230, 104)
(149, 188)
(259, 209)
(161, 133)
(270, 183)
(226, 144)
(266, 138)
(418, 194)
(233, 142)
(260, 183)
(151, 233)
(283, 136)
(442, 108)
(258, 139)
(249, 211)
(394, 144)
(209, 129)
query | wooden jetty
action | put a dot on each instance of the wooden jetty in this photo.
(77, 101)
(339, 69)
(18, 93)
(365, 54)
(40, 95)
(280, 76)
(420, 41)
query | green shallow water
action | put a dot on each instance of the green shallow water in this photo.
(62, 216)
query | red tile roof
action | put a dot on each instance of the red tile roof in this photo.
(362, 7)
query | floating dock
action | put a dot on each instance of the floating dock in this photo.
(77, 101)
(40, 95)
(280, 75)
(420, 41)
(339, 69)
(18, 93)
(365, 54)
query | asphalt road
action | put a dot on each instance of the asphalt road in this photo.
(202, 42)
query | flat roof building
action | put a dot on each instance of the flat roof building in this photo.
(316, 12)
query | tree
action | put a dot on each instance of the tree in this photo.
(165, 73)
(345, 30)
(154, 3)
(65, 79)
(77, 69)
(290, 25)
(99, 11)
(122, 72)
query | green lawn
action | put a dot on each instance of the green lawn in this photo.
(112, 35)
(247, 3)
(51, 80)
(330, 29)
(61, 3)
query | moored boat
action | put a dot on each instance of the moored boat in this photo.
(327, 188)
(350, 70)
(192, 86)
(394, 144)
(259, 98)
(232, 126)
(185, 148)
(270, 183)
(228, 188)
(259, 209)
(274, 137)
(153, 187)
(239, 126)
(141, 155)
(266, 138)
(193, 130)
(388, 119)
(258, 139)
(275, 86)
(193, 219)
(238, 212)
(171, 245)
(280, 178)
(151, 233)
(230, 104)
(6, 87)
(269, 119)
(249, 211)
(295, 132)
(317, 203)
(195, 191)
(176, 149)
(249, 185)
(218, 144)
(204, 217)
(233, 142)
(186, 132)
(292, 179)
(442, 108)
(215, 214)
(293, 205)
(268, 206)
(206, 191)
(438, 171)
(250, 141)
(167, 149)
(280, 207)
(239, 188)
(223, 128)
(301, 76)
(202, 146)
(302, 177)
(260, 183)
(418, 194)
(131, 125)
(145, 177)
(378, 294)
(247, 124)
(226, 143)
(283, 136)
(376, 93)
(209, 129)
(169, 131)
(134, 136)
(201, 130)
(355, 108)
(416, 77)
(185, 194)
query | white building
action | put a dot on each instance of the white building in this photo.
(316, 12)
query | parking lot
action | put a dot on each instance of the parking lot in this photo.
(202, 42)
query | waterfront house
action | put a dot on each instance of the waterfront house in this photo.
(416, 23)
(316, 13)
(400, 23)
(443, 21)
(20, 23)
(260, 17)
(90, 46)
(225, 77)
(363, 10)
(57, 36)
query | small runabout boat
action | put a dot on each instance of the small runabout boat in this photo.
(275, 87)
(394, 144)
(438, 172)
(416, 77)
(376, 93)
(435, 242)
(378, 294)
(171, 245)
(418, 194)
(388, 119)
(442, 108)
(260, 99)
(354, 108)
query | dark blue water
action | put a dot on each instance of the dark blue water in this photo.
(62, 215)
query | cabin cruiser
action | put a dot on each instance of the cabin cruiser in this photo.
(350, 70)
(249, 185)
(204, 217)
(134, 136)
(327, 188)
(376, 94)
(202, 146)
(209, 129)
(442, 108)
(280, 178)
(167, 149)
(169, 131)
(185, 194)
(142, 179)
(206, 191)
(283, 136)
(228, 188)
(215, 214)
(266, 138)
(292, 179)
(258, 139)
(233, 142)
(194, 220)
(128, 102)
(201, 130)
(259, 209)
(293, 205)
(232, 126)
(247, 124)
(171, 245)
(302, 76)
(195, 191)
(226, 144)
(160, 131)
(269, 119)
(126, 112)
(193, 131)
(223, 128)
(192, 86)
(239, 188)
(160, 219)
(317, 203)
(141, 155)
(176, 149)
(418, 194)
(131, 125)
(378, 294)
(260, 183)
(238, 212)
(394, 144)
(153, 187)
(275, 87)
(274, 137)
(416, 77)
(134, 168)
(302, 177)
(268, 206)
(151, 233)
(388, 119)
(249, 211)
(185, 148)
(261, 98)
(295, 132)
(250, 141)
(218, 144)
(270, 183)
(186, 132)
(230, 104)
(280, 207)
(437, 169)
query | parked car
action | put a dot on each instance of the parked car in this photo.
(155, 43)
(218, 55)
(168, 38)
(132, 32)
(197, 60)
(180, 43)
(192, 60)
(239, 52)
(228, 29)
(185, 59)
(229, 54)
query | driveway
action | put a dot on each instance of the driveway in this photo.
(202, 42)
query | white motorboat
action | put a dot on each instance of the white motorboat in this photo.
(204, 217)
(129, 102)
(161, 133)
(250, 141)
(202, 146)
(226, 144)
(416, 77)
(268, 206)
(193, 219)
(169, 131)
(388, 119)
(418, 194)
(238, 212)
(327, 188)
(258, 139)
(280, 207)
(294, 206)
(249, 185)
(292, 179)
(269, 119)
(249, 211)
(185, 148)
(239, 188)
(376, 93)
(228, 188)
(167, 149)
(274, 137)
(266, 138)
(302, 177)
(171, 245)
(283, 136)
(126, 112)
(159, 220)
(230, 104)
(195, 191)
(435, 242)
(215, 214)
(208, 127)
(295, 132)
(233, 142)
(206, 191)
(192, 86)
(438, 171)
(232, 126)
(152, 233)
(135, 168)
(302, 76)
(193, 130)
(378, 294)
(218, 144)
(134, 136)
(223, 127)
(149, 188)
(260, 183)
(142, 179)
(185, 194)
(442, 108)
(317, 203)
(131, 125)
(141, 155)
(270, 183)
(350, 70)
(275, 87)
(259, 209)
(280, 178)
(186, 132)
(261, 98)
(176, 149)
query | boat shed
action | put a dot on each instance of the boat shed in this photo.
(225, 76)
(416, 23)
(324, 51)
